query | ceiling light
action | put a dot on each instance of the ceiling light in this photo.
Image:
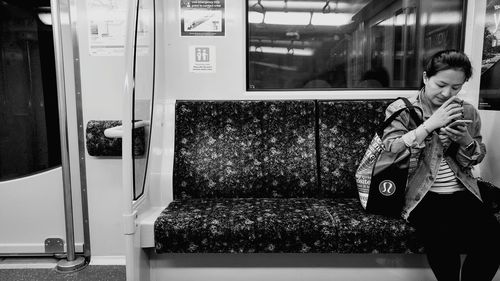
(46, 18)
(441, 18)
(331, 19)
(303, 5)
(290, 18)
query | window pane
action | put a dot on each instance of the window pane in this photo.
(29, 130)
(489, 94)
(143, 91)
(297, 44)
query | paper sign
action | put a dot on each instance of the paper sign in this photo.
(107, 26)
(202, 18)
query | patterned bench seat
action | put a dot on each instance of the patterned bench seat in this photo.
(270, 225)
(274, 177)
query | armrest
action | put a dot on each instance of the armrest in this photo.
(117, 131)
(146, 223)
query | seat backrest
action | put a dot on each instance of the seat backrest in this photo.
(238, 149)
(346, 128)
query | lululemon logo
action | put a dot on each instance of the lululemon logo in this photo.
(387, 187)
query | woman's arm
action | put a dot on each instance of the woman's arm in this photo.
(397, 136)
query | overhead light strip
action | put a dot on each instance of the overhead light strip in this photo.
(300, 18)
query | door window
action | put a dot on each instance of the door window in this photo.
(143, 91)
(29, 133)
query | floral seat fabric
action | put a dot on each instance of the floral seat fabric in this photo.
(274, 177)
(346, 128)
(243, 149)
(360, 232)
(100, 145)
(247, 225)
(270, 225)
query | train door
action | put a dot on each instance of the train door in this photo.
(137, 127)
(32, 215)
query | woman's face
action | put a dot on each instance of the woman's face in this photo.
(443, 85)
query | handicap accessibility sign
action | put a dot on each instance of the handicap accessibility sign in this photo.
(202, 59)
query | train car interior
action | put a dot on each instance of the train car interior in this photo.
(217, 139)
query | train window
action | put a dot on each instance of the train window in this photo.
(29, 132)
(143, 91)
(489, 98)
(325, 44)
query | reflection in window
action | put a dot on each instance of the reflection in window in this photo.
(143, 91)
(297, 44)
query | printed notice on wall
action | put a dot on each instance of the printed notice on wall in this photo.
(107, 25)
(489, 89)
(202, 59)
(202, 18)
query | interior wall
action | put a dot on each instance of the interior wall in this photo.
(229, 79)
(102, 86)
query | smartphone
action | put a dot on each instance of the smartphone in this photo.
(460, 122)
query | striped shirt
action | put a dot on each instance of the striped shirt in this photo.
(446, 182)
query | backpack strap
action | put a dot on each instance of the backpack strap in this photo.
(413, 115)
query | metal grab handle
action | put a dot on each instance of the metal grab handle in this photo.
(326, 8)
(117, 131)
(259, 6)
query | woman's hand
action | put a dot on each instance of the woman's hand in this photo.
(444, 138)
(447, 112)
(458, 134)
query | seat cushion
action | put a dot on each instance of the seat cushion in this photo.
(345, 131)
(271, 225)
(360, 232)
(230, 149)
(248, 225)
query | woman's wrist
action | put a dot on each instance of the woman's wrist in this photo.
(426, 129)
(429, 126)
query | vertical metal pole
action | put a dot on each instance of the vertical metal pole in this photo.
(71, 9)
(72, 263)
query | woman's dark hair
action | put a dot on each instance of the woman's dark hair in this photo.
(449, 59)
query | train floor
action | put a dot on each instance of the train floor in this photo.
(13, 269)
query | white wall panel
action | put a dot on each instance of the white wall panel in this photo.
(102, 86)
